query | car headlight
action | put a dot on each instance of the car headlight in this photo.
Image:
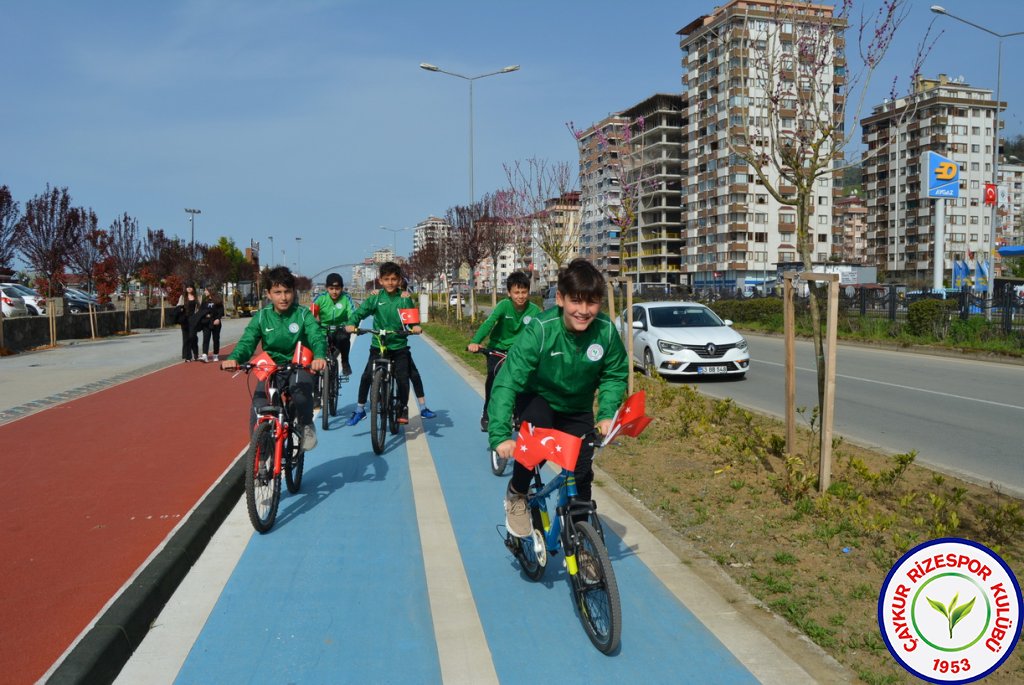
(668, 347)
(742, 345)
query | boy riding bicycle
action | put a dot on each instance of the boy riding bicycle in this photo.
(384, 305)
(562, 357)
(504, 325)
(279, 327)
(335, 307)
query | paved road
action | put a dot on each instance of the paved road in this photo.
(962, 415)
(390, 569)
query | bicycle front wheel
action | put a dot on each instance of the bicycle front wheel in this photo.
(294, 462)
(393, 406)
(526, 551)
(332, 402)
(595, 592)
(262, 488)
(378, 410)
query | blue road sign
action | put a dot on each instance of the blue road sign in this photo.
(943, 180)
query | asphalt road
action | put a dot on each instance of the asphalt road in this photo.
(962, 415)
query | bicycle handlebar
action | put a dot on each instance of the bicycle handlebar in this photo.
(382, 332)
(491, 352)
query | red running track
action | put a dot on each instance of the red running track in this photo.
(96, 484)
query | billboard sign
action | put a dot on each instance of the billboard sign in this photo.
(943, 179)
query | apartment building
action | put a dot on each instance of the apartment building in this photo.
(431, 230)
(1010, 213)
(735, 231)
(849, 238)
(651, 247)
(562, 225)
(946, 116)
(603, 154)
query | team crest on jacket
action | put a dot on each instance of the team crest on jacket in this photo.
(293, 327)
(527, 319)
(595, 352)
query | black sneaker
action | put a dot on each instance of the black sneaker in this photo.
(346, 370)
(484, 423)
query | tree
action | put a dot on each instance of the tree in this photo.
(794, 110)
(125, 252)
(498, 227)
(9, 217)
(46, 234)
(426, 263)
(90, 248)
(466, 241)
(534, 184)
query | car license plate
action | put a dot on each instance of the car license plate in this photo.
(712, 369)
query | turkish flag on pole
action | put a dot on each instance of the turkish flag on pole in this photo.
(536, 445)
(630, 419)
(409, 316)
(265, 366)
(991, 194)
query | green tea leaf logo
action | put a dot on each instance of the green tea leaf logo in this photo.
(953, 613)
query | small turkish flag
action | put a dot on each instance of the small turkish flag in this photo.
(631, 418)
(409, 316)
(265, 366)
(990, 194)
(537, 445)
(302, 354)
(314, 309)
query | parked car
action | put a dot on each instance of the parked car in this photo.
(686, 339)
(34, 302)
(11, 302)
(549, 297)
(455, 299)
(77, 302)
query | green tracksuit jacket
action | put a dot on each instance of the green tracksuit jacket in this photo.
(334, 312)
(279, 333)
(504, 324)
(384, 307)
(562, 367)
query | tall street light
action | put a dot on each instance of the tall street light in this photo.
(271, 255)
(192, 222)
(394, 240)
(506, 70)
(298, 255)
(939, 9)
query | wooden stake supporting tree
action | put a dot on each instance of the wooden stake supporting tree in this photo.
(827, 416)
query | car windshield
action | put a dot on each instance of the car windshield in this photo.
(683, 317)
(24, 290)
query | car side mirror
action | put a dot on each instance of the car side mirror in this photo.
(639, 325)
(728, 322)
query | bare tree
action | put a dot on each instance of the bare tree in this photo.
(9, 217)
(497, 230)
(466, 242)
(795, 120)
(426, 263)
(90, 248)
(534, 184)
(46, 234)
(126, 253)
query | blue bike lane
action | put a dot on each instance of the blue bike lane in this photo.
(339, 590)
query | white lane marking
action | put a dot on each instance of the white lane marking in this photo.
(462, 648)
(907, 387)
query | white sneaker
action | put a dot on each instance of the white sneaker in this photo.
(202, 358)
(216, 357)
(308, 438)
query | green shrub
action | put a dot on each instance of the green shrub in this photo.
(763, 310)
(930, 318)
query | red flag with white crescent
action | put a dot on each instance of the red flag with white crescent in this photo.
(631, 418)
(536, 445)
(409, 316)
(265, 366)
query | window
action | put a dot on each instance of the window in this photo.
(822, 237)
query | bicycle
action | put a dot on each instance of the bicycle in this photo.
(498, 464)
(329, 381)
(383, 391)
(272, 447)
(595, 591)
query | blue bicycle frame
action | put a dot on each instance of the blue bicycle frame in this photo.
(566, 507)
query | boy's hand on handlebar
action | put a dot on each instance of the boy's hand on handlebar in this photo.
(473, 347)
(318, 364)
(228, 365)
(416, 330)
(350, 329)
(506, 449)
(603, 427)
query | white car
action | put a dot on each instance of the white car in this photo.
(11, 302)
(685, 339)
(453, 300)
(34, 302)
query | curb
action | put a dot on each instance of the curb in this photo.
(104, 650)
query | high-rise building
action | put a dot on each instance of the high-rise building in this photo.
(736, 231)
(430, 230)
(562, 225)
(849, 239)
(1011, 210)
(946, 116)
(603, 155)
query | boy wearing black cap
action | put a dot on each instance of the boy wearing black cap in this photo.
(335, 308)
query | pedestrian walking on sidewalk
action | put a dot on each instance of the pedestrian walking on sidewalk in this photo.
(212, 310)
(185, 310)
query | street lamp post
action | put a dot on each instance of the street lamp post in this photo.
(394, 239)
(506, 70)
(271, 255)
(298, 255)
(938, 9)
(192, 224)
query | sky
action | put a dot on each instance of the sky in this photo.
(311, 121)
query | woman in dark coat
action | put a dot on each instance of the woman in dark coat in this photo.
(187, 307)
(212, 311)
